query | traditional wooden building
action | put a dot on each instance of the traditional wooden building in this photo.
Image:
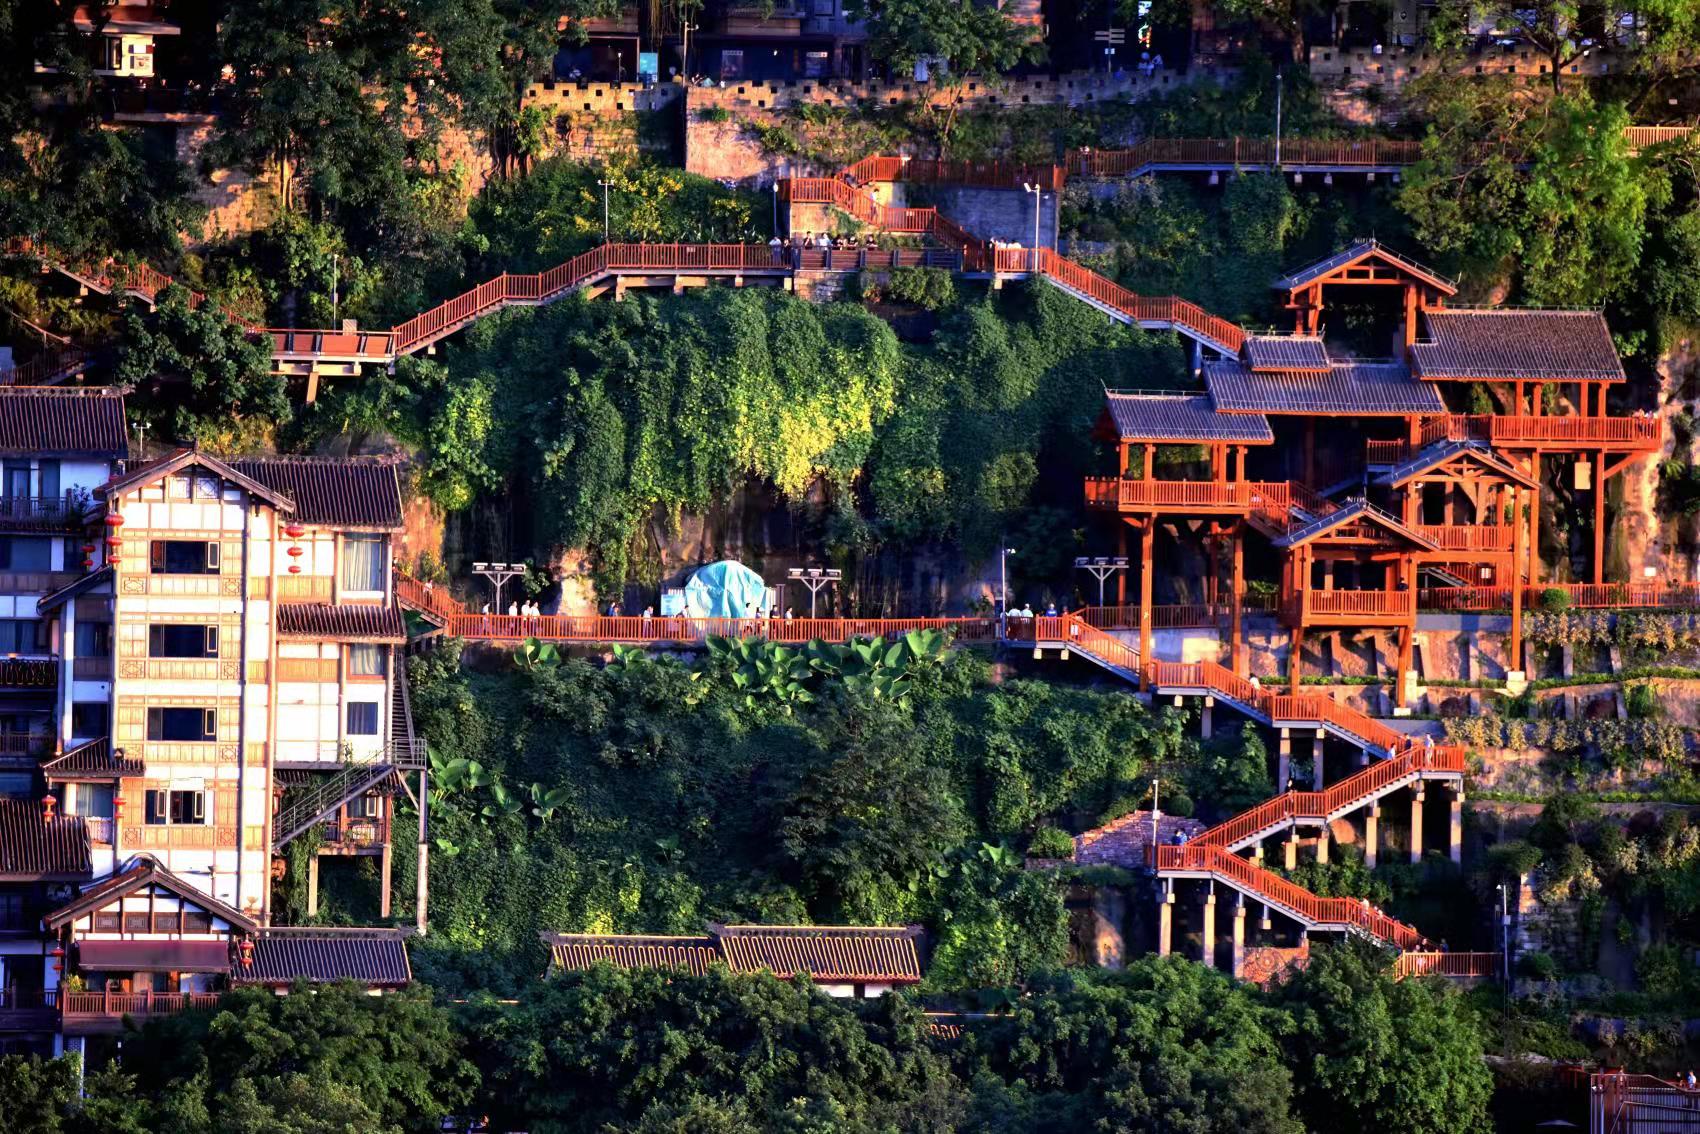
(1364, 475)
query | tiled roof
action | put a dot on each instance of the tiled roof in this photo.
(831, 953)
(373, 957)
(350, 492)
(33, 846)
(1180, 417)
(1442, 452)
(74, 588)
(139, 473)
(1359, 251)
(570, 951)
(50, 421)
(142, 872)
(354, 623)
(1285, 352)
(1352, 510)
(1122, 842)
(1361, 388)
(1509, 344)
(91, 761)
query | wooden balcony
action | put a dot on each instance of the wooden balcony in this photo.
(96, 1013)
(1623, 434)
(354, 835)
(1187, 496)
(1313, 607)
(26, 1010)
(91, 669)
(304, 588)
(1467, 537)
(41, 513)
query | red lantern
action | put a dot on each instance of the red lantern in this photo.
(48, 803)
(114, 520)
(294, 530)
(114, 541)
(88, 549)
(295, 568)
(88, 562)
(247, 951)
(295, 551)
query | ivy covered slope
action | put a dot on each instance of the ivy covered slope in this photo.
(768, 785)
(595, 417)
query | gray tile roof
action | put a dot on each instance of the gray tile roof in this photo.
(1182, 417)
(1351, 388)
(1285, 352)
(1359, 251)
(34, 846)
(373, 957)
(54, 421)
(1509, 344)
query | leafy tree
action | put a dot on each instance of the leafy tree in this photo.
(661, 1051)
(1372, 1053)
(1166, 1045)
(220, 383)
(1232, 773)
(957, 38)
(38, 1093)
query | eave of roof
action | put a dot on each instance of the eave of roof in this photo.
(63, 421)
(321, 621)
(1361, 250)
(154, 471)
(1511, 344)
(37, 848)
(93, 762)
(1442, 454)
(1360, 389)
(1294, 353)
(1182, 419)
(376, 958)
(1351, 510)
(144, 871)
(74, 588)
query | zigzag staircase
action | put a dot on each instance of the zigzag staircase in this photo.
(1212, 854)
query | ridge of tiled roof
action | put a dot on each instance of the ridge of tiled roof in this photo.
(1351, 510)
(341, 492)
(1365, 388)
(1483, 344)
(573, 951)
(1359, 250)
(373, 957)
(1179, 417)
(76, 587)
(35, 847)
(143, 870)
(91, 761)
(364, 622)
(63, 421)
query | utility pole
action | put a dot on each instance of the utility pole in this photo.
(1278, 85)
(605, 183)
(1038, 192)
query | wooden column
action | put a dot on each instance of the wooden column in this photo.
(1535, 519)
(1237, 644)
(1322, 845)
(422, 890)
(1417, 824)
(313, 886)
(1410, 314)
(1283, 760)
(1145, 465)
(1406, 634)
(1519, 534)
(1599, 519)
(1121, 552)
(1212, 584)
(1316, 763)
(1294, 651)
(384, 882)
(1148, 536)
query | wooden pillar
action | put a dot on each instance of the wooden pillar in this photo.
(1535, 520)
(1121, 576)
(1145, 465)
(313, 886)
(1294, 651)
(1165, 919)
(384, 883)
(1146, 538)
(1372, 841)
(1599, 519)
(1237, 644)
(1417, 825)
(1406, 634)
(1207, 949)
(1518, 551)
(1212, 589)
(1410, 314)
(312, 383)
(1455, 832)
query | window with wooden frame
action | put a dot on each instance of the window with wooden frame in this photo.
(183, 557)
(183, 725)
(193, 641)
(366, 662)
(171, 807)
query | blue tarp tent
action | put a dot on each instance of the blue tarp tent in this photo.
(725, 590)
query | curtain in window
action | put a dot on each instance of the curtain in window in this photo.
(362, 563)
(365, 661)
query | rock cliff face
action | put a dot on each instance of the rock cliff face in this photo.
(1645, 538)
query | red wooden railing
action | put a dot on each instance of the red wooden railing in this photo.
(135, 1003)
(1468, 537)
(1171, 310)
(1155, 153)
(427, 598)
(1592, 596)
(634, 628)
(1381, 604)
(1463, 965)
(44, 369)
(111, 275)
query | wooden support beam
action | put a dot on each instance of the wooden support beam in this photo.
(1294, 652)
(1519, 548)
(1121, 576)
(1237, 640)
(1146, 539)
(1599, 526)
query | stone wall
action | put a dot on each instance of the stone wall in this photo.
(598, 121)
(236, 201)
(1262, 964)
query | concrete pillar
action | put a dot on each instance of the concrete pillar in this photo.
(1257, 852)
(1165, 920)
(1417, 827)
(1239, 937)
(1322, 846)
(1207, 950)
(313, 886)
(1284, 766)
(1292, 849)
(1456, 834)
(1316, 764)
(1372, 842)
(1206, 724)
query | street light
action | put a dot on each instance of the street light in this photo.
(1003, 575)
(1101, 568)
(775, 188)
(816, 579)
(499, 574)
(605, 186)
(1038, 192)
(1154, 815)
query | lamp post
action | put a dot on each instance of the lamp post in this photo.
(1003, 575)
(816, 579)
(775, 188)
(1038, 192)
(1101, 568)
(499, 574)
(1154, 814)
(606, 184)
